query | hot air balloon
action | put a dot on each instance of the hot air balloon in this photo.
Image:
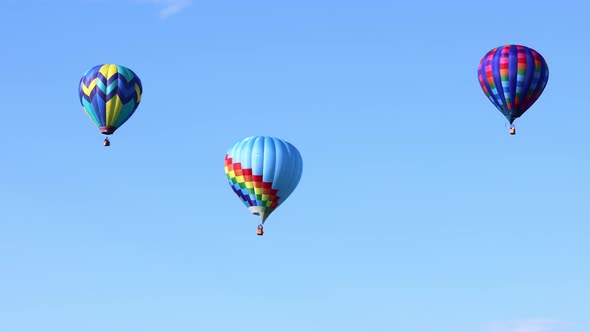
(513, 77)
(110, 95)
(263, 171)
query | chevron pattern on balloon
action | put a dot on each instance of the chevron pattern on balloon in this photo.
(110, 94)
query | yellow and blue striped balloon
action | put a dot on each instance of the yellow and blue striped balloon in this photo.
(110, 95)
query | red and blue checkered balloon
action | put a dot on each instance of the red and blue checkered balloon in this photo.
(513, 77)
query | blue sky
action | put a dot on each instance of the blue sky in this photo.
(416, 212)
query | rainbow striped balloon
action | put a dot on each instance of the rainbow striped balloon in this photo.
(513, 77)
(110, 94)
(263, 171)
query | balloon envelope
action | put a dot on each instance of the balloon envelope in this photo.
(263, 171)
(513, 77)
(110, 94)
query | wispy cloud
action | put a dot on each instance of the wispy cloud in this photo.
(170, 7)
(526, 325)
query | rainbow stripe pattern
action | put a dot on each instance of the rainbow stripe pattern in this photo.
(110, 94)
(263, 171)
(513, 77)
